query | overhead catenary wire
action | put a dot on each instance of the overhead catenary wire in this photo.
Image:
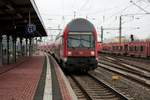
(139, 7)
(120, 12)
(133, 14)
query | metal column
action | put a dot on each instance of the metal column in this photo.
(1, 55)
(30, 47)
(8, 56)
(14, 49)
(26, 46)
(21, 46)
(102, 34)
(120, 29)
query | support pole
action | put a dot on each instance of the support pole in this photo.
(120, 29)
(36, 42)
(8, 49)
(14, 49)
(21, 46)
(102, 34)
(1, 55)
(26, 46)
(30, 47)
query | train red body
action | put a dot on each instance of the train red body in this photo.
(135, 48)
(75, 48)
(98, 46)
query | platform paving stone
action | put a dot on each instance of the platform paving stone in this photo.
(41, 84)
(21, 82)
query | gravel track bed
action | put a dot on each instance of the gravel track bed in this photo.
(124, 85)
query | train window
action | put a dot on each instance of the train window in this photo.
(135, 48)
(139, 48)
(80, 40)
(116, 47)
(113, 48)
(142, 48)
(131, 48)
(120, 48)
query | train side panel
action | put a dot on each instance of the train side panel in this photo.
(136, 48)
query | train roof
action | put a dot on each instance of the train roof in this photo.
(80, 25)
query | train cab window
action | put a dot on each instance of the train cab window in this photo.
(80, 40)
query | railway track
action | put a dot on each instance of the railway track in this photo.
(126, 67)
(139, 75)
(136, 59)
(87, 87)
(77, 89)
(133, 64)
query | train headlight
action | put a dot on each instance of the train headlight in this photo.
(65, 59)
(69, 53)
(97, 58)
(92, 53)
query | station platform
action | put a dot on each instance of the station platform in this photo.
(34, 78)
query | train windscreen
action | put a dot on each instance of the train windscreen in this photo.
(80, 40)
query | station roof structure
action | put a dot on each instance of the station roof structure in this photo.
(15, 16)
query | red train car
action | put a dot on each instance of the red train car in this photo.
(139, 49)
(106, 48)
(119, 49)
(75, 48)
(136, 48)
(98, 46)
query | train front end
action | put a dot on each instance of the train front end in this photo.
(80, 46)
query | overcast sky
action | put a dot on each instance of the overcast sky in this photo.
(100, 12)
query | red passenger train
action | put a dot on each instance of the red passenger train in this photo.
(75, 48)
(135, 48)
